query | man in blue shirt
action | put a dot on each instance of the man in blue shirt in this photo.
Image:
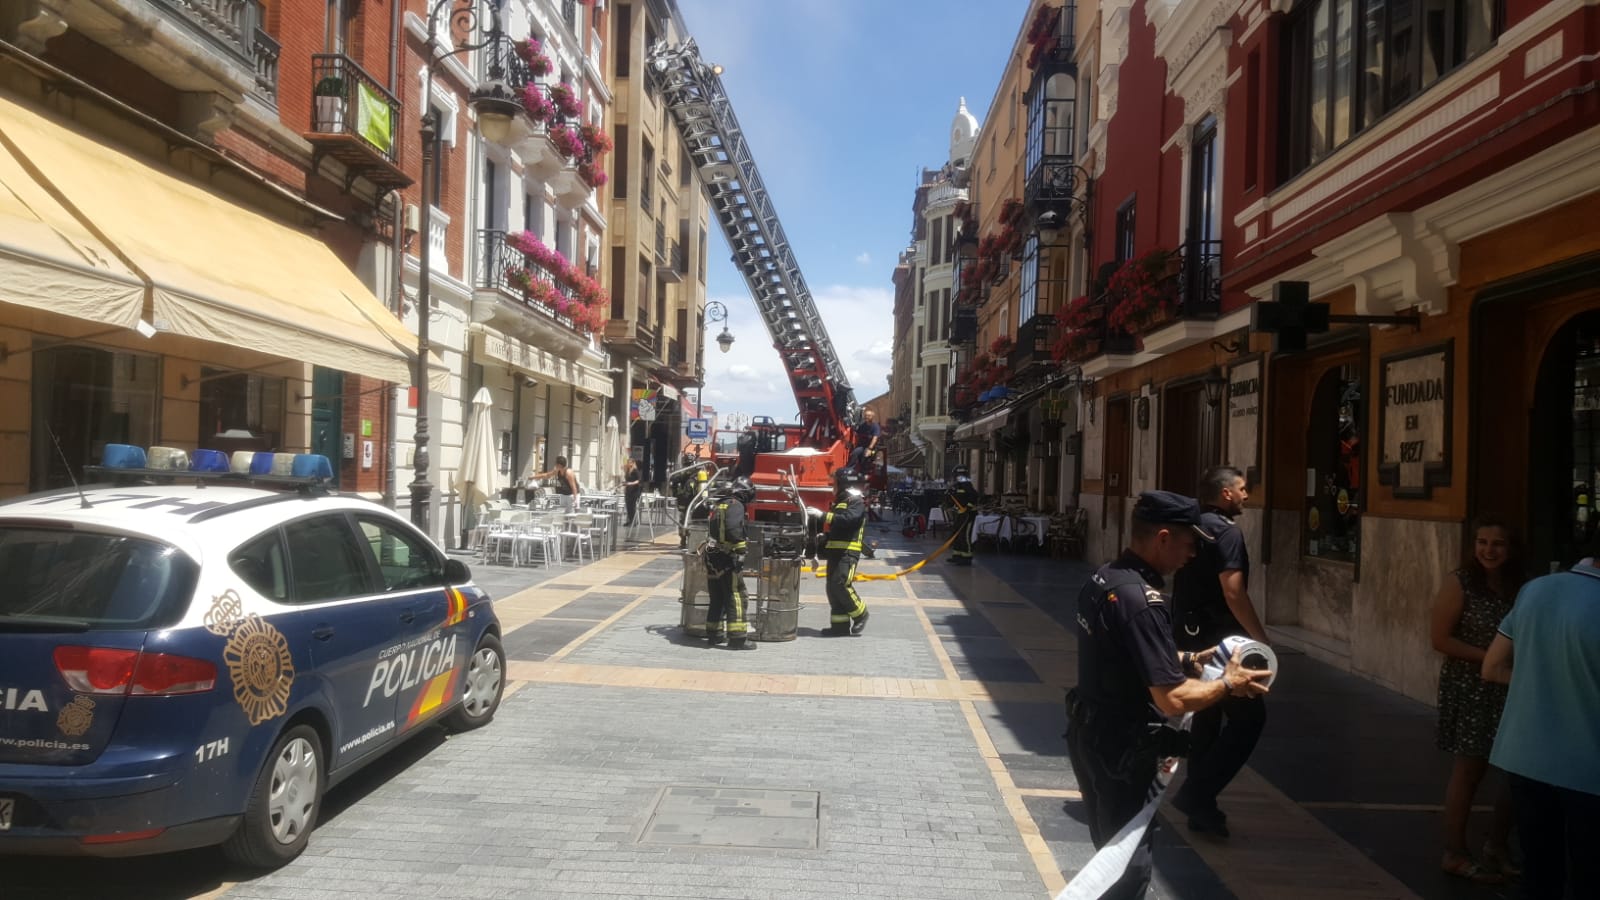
(1548, 650)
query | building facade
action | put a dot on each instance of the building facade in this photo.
(654, 258)
(159, 187)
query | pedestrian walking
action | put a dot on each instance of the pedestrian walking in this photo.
(1548, 743)
(632, 487)
(1211, 600)
(1131, 676)
(1470, 606)
(963, 499)
(865, 441)
(566, 482)
(725, 547)
(846, 528)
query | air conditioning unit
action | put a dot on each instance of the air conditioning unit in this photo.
(413, 218)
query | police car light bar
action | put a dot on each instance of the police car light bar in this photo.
(125, 462)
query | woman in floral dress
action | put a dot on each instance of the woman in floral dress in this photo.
(1466, 615)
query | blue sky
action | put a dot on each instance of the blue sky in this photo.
(843, 102)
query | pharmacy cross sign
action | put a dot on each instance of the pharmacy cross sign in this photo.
(1290, 317)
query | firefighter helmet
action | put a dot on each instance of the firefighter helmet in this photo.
(743, 490)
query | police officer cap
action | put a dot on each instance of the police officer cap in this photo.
(1167, 508)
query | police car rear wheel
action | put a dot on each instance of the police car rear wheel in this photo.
(284, 803)
(484, 683)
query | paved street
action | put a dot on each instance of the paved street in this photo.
(922, 760)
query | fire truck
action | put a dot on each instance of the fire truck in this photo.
(798, 460)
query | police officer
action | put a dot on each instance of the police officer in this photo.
(725, 568)
(963, 498)
(1131, 677)
(846, 526)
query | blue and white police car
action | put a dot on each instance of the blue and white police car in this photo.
(184, 665)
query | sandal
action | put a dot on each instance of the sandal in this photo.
(1499, 860)
(1463, 866)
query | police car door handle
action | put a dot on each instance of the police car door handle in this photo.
(322, 632)
(407, 616)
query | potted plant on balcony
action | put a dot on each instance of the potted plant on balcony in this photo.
(1002, 345)
(566, 141)
(1081, 330)
(330, 104)
(532, 55)
(1144, 292)
(566, 100)
(538, 106)
(592, 174)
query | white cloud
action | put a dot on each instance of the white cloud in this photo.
(749, 378)
(864, 258)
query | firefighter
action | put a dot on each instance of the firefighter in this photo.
(846, 526)
(724, 555)
(963, 498)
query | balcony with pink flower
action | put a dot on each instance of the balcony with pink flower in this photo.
(530, 291)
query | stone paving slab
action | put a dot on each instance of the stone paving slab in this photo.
(894, 645)
(547, 800)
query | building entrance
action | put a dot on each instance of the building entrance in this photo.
(1564, 440)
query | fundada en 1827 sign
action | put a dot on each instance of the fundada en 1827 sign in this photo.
(1415, 427)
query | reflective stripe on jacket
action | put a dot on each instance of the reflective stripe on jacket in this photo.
(847, 522)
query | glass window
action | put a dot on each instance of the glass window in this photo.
(83, 399)
(241, 407)
(1125, 226)
(404, 558)
(1332, 524)
(97, 580)
(1030, 279)
(326, 561)
(262, 565)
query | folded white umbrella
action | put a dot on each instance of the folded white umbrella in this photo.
(478, 479)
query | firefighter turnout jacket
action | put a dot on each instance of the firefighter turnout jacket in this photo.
(846, 523)
(728, 525)
(963, 496)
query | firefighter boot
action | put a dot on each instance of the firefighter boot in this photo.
(714, 638)
(741, 642)
(859, 623)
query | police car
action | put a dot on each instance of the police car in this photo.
(192, 664)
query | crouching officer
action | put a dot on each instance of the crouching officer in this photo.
(846, 526)
(1131, 677)
(725, 568)
(963, 498)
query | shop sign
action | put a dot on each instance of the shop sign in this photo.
(1414, 425)
(1244, 419)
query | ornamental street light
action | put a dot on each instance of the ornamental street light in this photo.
(476, 26)
(717, 312)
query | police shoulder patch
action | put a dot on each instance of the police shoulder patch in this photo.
(1151, 595)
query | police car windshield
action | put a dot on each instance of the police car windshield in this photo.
(78, 580)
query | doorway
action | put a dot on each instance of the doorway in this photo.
(1190, 437)
(1562, 509)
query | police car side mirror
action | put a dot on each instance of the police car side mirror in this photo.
(456, 572)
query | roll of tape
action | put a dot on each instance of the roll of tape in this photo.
(1252, 654)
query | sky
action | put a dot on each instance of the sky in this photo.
(843, 103)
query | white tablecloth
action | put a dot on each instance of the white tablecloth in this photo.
(1001, 526)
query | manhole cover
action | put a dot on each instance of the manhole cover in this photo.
(734, 817)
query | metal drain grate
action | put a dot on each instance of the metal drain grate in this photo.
(734, 817)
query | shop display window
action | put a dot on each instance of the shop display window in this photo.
(84, 398)
(1331, 526)
(240, 410)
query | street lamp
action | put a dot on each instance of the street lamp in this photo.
(717, 312)
(475, 26)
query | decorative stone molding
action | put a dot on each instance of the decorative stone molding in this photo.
(203, 114)
(37, 26)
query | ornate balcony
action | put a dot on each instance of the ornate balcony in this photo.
(355, 120)
(498, 299)
(1200, 279)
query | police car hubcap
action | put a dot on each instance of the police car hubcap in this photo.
(483, 681)
(294, 790)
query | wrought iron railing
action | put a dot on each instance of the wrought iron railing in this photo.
(347, 100)
(232, 27)
(1034, 339)
(501, 268)
(649, 339)
(498, 62)
(661, 243)
(1200, 279)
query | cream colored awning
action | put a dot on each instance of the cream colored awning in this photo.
(49, 261)
(212, 269)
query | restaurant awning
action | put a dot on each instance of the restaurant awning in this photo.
(205, 267)
(983, 426)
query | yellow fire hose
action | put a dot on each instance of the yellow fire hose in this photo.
(822, 572)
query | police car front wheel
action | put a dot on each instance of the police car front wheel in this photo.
(283, 804)
(484, 683)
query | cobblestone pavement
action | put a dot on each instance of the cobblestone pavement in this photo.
(921, 760)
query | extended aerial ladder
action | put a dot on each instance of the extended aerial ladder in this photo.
(693, 94)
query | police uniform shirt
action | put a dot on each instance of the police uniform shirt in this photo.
(1202, 614)
(1125, 640)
